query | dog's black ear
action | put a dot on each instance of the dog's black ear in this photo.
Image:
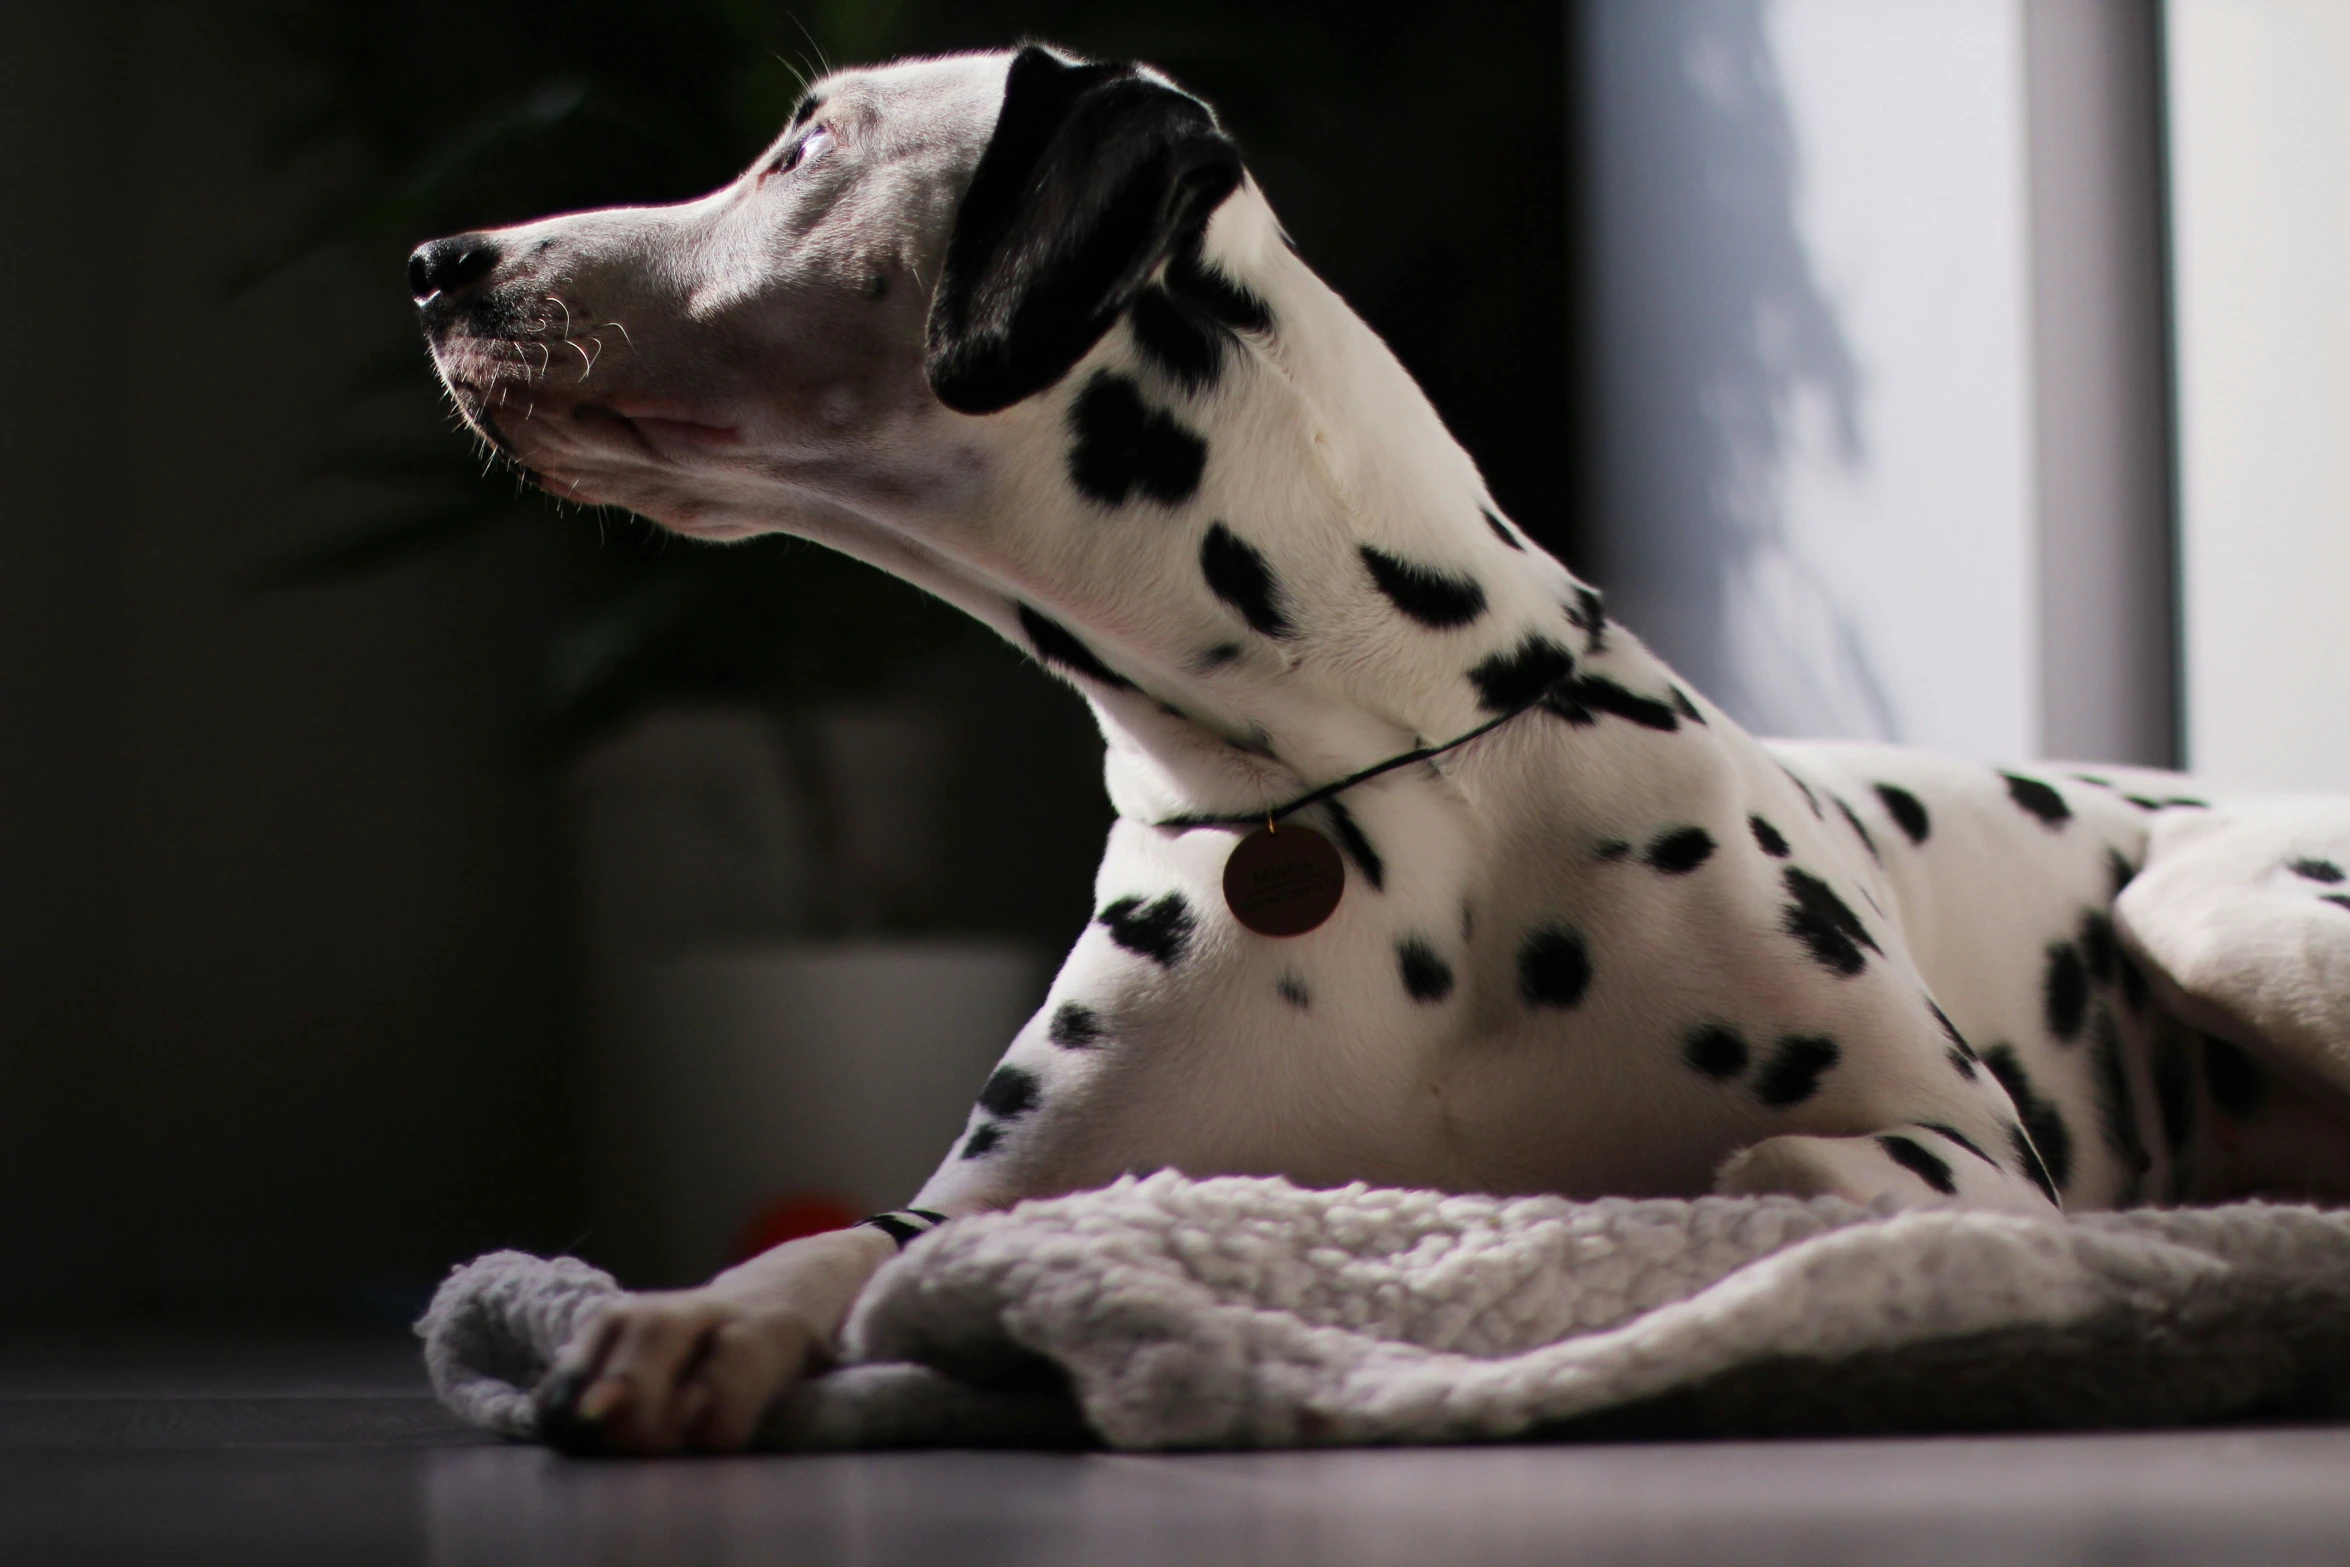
(1094, 174)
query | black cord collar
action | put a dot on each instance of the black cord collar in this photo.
(1274, 813)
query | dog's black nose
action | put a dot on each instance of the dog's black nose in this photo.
(444, 266)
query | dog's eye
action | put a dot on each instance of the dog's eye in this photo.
(799, 151)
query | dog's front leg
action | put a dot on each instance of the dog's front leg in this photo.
(695, 1369)
(1910, 1165)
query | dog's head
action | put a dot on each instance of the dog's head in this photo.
(927, 242)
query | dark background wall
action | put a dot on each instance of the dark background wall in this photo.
(281, 914)
(286, 1000)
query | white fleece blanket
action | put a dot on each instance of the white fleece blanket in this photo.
(1169, 1313)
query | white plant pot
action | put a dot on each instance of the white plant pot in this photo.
(739, 1075)
(692, 829)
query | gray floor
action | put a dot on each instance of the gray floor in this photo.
(334, 1454)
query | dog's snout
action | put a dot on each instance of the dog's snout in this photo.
(447, 266)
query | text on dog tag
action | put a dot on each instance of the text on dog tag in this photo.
(1283, 881)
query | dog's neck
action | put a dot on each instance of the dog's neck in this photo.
(1319, 445)
(1319, 448)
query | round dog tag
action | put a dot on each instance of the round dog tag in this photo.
(1283, 881)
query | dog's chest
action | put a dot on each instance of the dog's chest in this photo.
(1605, 984)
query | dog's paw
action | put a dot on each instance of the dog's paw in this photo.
(677, 1371)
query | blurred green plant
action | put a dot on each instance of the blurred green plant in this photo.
(1397, 142)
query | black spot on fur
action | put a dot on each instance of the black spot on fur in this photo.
(1356, 844)
(2317, 870)
(1809, 798)
(1588, 614)
(1218, 656)
(1952, 1135)
(2234, 1078)
(1183, 345)
(1794, 1071)
(1554, 968)
(1680, 851)
(1511, 680)
(1826, 924)
(1122, 445)
(1852, 820)
(1426, 977)
(1578, 700)
(1768, 838)
(1293, 990)
(983, 1139)
(1200, 283)
(2338, 900)
(2027, 1158)
(1237, 574)
(1076, 1026)
(2143, 803)
(1010, 1093)
(2043, 1122)
(1686, 707)
(2064, 991)
(2133, 986)
(1612, 849)
(1913, 1157)
(2030, 794)
(1501, 529)
(1907, 810)
(1715, 1050)
(1961, 1055)
(2119, 870)
(2098, 948)
(1057, 644)
(1160, 930)
(1434, 598)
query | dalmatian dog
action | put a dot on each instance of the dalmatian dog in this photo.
(1021, 329)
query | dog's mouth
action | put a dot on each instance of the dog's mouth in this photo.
(518, 413)
(588, 438)
(538, 427)
(571, 435)
(661, 429)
